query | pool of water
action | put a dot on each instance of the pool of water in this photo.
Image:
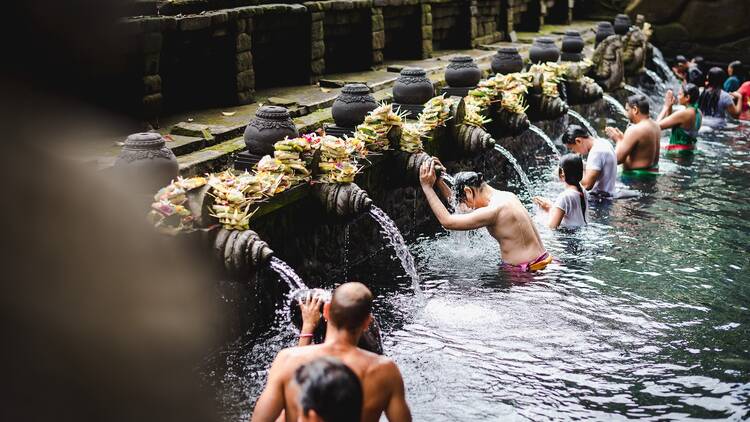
(644, 313)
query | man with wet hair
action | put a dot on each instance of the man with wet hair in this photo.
(638, 148)
(328, 391)
(601, 161)
(504, 216)
(680, 67)
(348, 315)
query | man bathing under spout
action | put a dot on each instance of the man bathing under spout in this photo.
(505, 218)
(638, 148)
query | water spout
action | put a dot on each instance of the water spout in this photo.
(524, 178)
(393, 236)
(241, 251)
(583, 121)
(616, 104)
(474, 139)
(287, 274)
(540, 132)
(633, 90)
(343, 199)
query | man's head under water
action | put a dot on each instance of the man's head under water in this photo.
(471, 189)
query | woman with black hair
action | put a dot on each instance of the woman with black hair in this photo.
(685, 123)
(569, 209)
(714, 102)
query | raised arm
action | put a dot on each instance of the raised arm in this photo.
(667, 109)
(735, 108)
(674, 119)
(625, 142)
(271, 401)
(473, 220)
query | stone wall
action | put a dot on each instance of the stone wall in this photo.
(203, 55)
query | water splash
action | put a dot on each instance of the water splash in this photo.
(450, 179)
(393, 236)
(540, 132)
(519, 170)
(659, 61)
(287, 274)
(633, 90)
(661, 87)
(583, 121)
(616, 104)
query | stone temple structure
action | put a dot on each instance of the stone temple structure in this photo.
(190, 54)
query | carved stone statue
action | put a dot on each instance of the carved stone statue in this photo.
(634, 51)
(608, 70)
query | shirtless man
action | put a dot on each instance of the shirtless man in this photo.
(348, 315)
(500, 212)
(638, 148)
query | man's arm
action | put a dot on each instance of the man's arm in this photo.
(625, 144)
(476, 219)
(397, 409)
(271, 401)
(590, 177)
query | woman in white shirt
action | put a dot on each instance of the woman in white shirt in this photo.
(569, 209)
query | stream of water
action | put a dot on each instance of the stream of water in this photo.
(393, 235)
(583, 121)
(287, 274)
(546, 139)
(616, 104)
(522, 174)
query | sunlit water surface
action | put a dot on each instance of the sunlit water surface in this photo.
(644, 313)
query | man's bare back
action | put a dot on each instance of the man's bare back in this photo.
(645, 152)
(377, 374)
(513, 229)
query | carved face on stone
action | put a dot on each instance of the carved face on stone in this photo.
(634, 50)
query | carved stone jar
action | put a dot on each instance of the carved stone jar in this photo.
(462, 72)
(603, 30)
(146, 160)
(544, 50)
(572, 47)
(270, 125)
(411, 90)
(352, 105)
(506, 60)
(622, 24)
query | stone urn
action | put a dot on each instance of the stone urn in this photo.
(462, 72)
(603, 30)
(506, 60)
(572, 47)
(352, 105)
(411, 90)
(622, 24)
(270, 125)
(146, 161)
(544, 50)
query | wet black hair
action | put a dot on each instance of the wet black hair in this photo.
(692, 92)
(709, 98)
(465, 179)
(572, 167)
(331, 388)
(736, 67)
(680, 59)
(573, 132)
(695, 75)
(640, 102)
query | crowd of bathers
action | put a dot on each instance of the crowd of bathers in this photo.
(339, 380)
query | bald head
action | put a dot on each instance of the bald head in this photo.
(351, 305)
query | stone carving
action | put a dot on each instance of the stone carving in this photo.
(462, 72)
(473, 140)
(608, 70)
(270, 125)
(634, 51)
(342, 199)
(603, 30)
(580, 88)
(506, 123)
(507, 60)
(146, 160)
(413, 87)
(352, 105)
(240, 252)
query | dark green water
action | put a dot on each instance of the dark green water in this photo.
(644, 314)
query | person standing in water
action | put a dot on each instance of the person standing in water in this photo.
(569, 209)
(714, 102)
(733, 82)
(601, 161)
(638, 148)
(685, 123)
(505, 218)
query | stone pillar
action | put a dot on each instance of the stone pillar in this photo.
(378, 35)
(426, 31)
(473, 23)
(317, 43)
(242, 29)
(149, 33)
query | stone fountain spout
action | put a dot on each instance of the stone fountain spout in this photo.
(608, 70)
(241, 252)
(343, 199)
(473, 140)
(506, 123)
(634, 53)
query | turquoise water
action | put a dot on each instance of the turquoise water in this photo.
(644, 314)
